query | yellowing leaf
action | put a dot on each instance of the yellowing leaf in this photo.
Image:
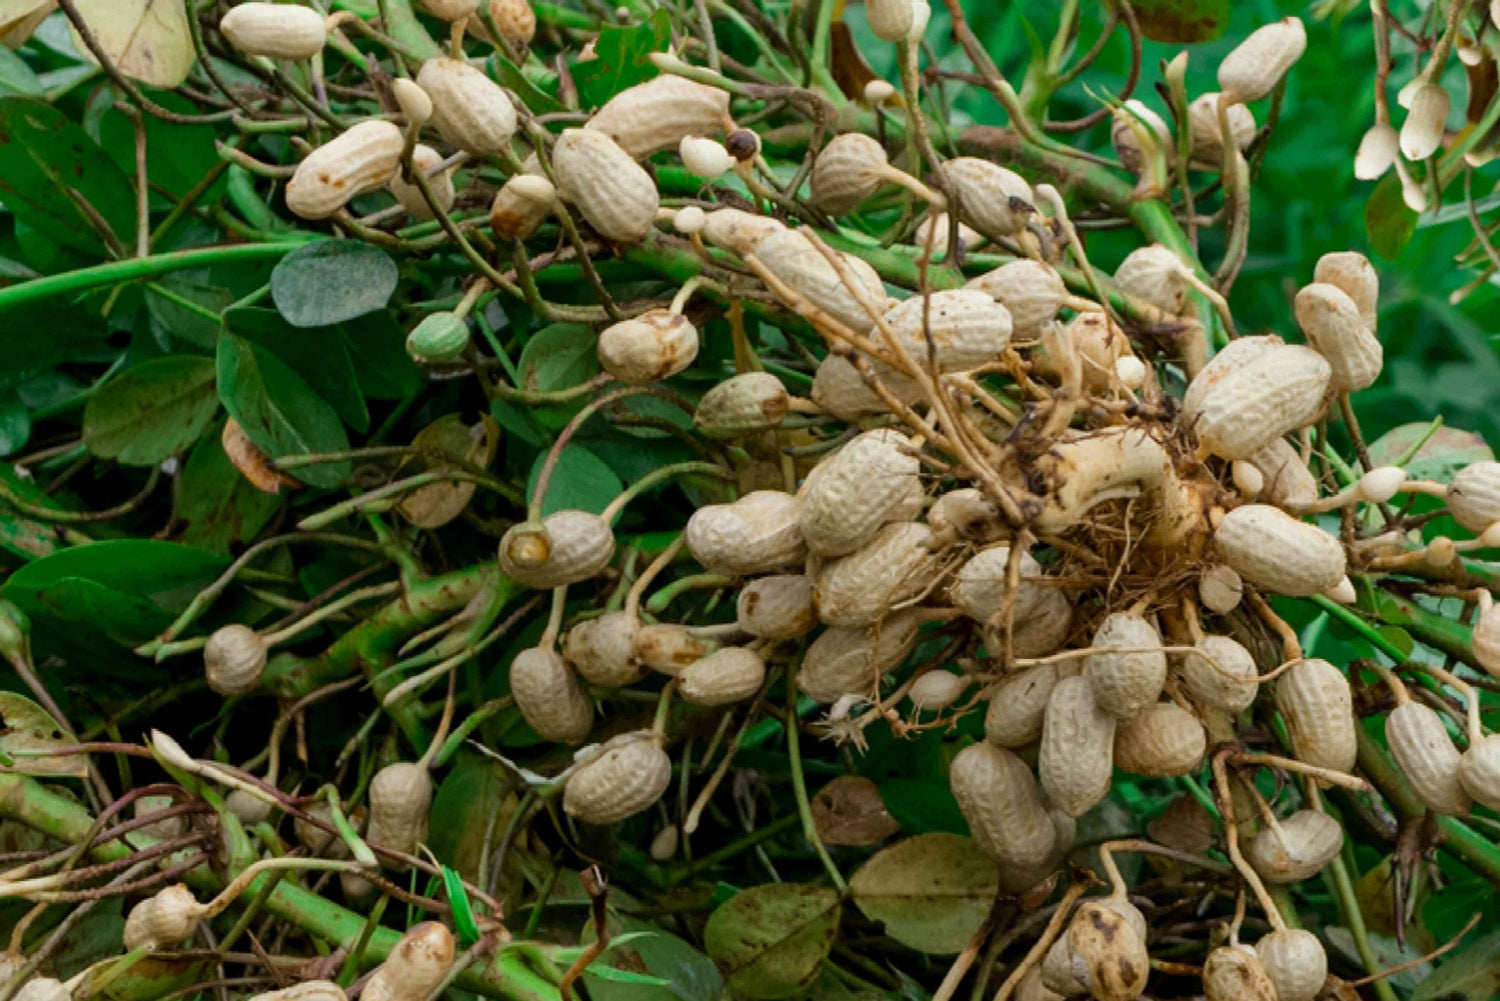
(26, 728)
(438, 503)
(147, 40)
(931, 891)
(19, 18)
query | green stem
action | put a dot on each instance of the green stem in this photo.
(799, 784)
(1349, 903)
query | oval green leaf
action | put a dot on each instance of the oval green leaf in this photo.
(1389, 221)
(582, 481)
(932, 891)
(770, 941)
(151, 412)
(330, 281)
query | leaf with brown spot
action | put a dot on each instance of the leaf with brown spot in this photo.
(931, 891)
(438, 503)
(770, 941)
(27, 727)
(1182, 21)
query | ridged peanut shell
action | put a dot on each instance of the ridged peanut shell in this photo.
(656, 115)
(759, 532)
(233, 659)
(580, 546)
(1277, 391)
(839, 389)
(425, 159)
(1272, 550)
(520, 206)
(792, 258)
(1041, 633)
(360, 159)
(1129, 669)
(603, 650)
(1109, 952)
(894, 566)
(1479, 771)
(1208, 144)
(164, 919)
(1425, 753)
(738, 231)
(1335, 327)
(1295, 961)
(1220, 589)
(997, 795)
(779, 607)
(856, 490)
(1031, 291)
(968, 514)
(400, 796)
(985, 192)
(1154, 273)
(631, 772)
(1162, 741)
(890, 20)
(1224, 678)
(549, 696)
(648, 348)
(1018, 704)
(1473, 495)
(415, 967)
(979, 586)
(669, 648)
(1233, 973)
(1254, 67)
(726, 676)
(1352, 272)
(514, 19)
(849, 169)
(613, 192)
(742, 405)
(277, 31)
(847, 660)
(1287, 483)
(472, 111)
(1313, 839)
(1234, 356)
(1133, 115)
(1076, 759)
(967, 329)
(1318, 707)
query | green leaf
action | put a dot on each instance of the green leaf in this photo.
(43, 154)
(178, 154)
(377, 348)
(922, 806)
(558, 356)
(931, 891)
(621, 58)
(278, 409)
(216, 505)
(318, 356)
(1444, 453)
(538, 100)
(458, 899)
(1182, 21)
(582, 481)
(152, 411)
(667, 961)
(183, 321)
(26, 726)
(16, 78)
(1388, 220)
(770, 941)
(15, 425)
(330, 281)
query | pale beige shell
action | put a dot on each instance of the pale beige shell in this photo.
(1313, 839)
(742, 405)
(1108, 952)
(936, 226)
(1333, 324)
(1318, 707)
(759, 532)
(937, 689)
(668, 648)
(233, 659)
(1257, 64)
(520, 206)
(1164, 740)
(738, 231)
(726, 676)
(472, 111)
(648, 348)
(319, 841)
(893, 567)
(1220, 589)
(1094, 339)
(856, 490)
(163, 920)
(358, 160)
(849, 169)
(1019, 703)
(1236, 355)
(998, 796)
(630, 773)
(779, 607)
(964, 329)
(656, 115)
(248, 807)
(839, 389)
(603, 650)
(985, 191)
(1233, 973)
(1295, 961)
(1286, 482)
(1076, 759)
(277, 31)
(1484, 640)
(1479, 770)
(1228, 687)
(451, 10)
(1154, 273)
(1038, 635)
(890, 20)
(1059, 974)
(1474, 495)
(979, 586)
(1127, 681)
(514, 19)
(400, 796)
(1352, 272)
(613, 192)
(968, 514)
(424, 158)
(1272, 550)
(850, 660)
(1122, 134)
(417, 964)
(1425, 753)
(1208, 144)
(581, 545)
(1031, 291)
(1031, 987)
(792, 258)
(307, 990)
(1276, 391)
(549, 696)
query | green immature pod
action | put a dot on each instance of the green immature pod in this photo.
(361, 159)
(744, 404)
(440, 337)
(277, 31)
(615, 195)
(648, 348)
(628, 774)
(234, 659)
(472, 111)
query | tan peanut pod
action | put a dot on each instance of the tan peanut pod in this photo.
(779, 607)
(890, 20)
(1236, 355)
(1230, 686)
(1333, 324)
(273, 30)
(893, 567)
(847, 660)
(742, 405)
(1031, 987)
(726, 676)
(1286, 482)
(1031, 291)
(1039, 634)
(934, 230)
(704, 158)
(856, 490)
(163, 920)
(738, 231)
(1313, 839)
(549, 696)
(1154, 273)
(1275, 392)
(1479, 770)
(451, 10)
(1184, 824)
(1095, 340)
(997, 795)
(648, 348)
(1233, 973)
(1272, 550)
(603, 650)
(361, 159)
(629, 774)
(578, 545)
(412, 100)
(1059, 973)
(424, 158)
(321, 842)
(1076, 759)
(1315, 700)
(1109, 952)
(615, 195)
(514, 19)
(656, 115)
(1208, 144)
(979, 586)
(417, 964)
(472, 111)
(233, 659)
(1425, 753)
(985, 192)
(1351, 271)
(400, 796)
(1131, 116)
(937, 690)
(761, 531)
(1473, 495)
(1220, 589)
(520, 205)
(1128, 681)
(669, 648)
(967, 514)
(793, 259)
(307, 990)
(839, 389)
(1422, 133)
(1255, 66)
(964, 329)
(1162, 741)
(1295, 961)
(849, 169)
(1019, 703)
(1484, 640)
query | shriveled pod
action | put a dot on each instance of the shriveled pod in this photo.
(451, 10)
(1473, 495)
(1277, 391)
(1295, 961)
(576, 546)
(741, 405)
(779, 607)
(1309, 841)
(937, 690)
(1220, 589)
(417, 964)
(233, 659)
(277, 31)
(1484, 640)
(997, 795)
(793, 259)
(1032, 291)
(1479, 771)
(1128, 670)
(761, 531)
(520, 205)
(1333, 324)
(1234, 973)
(847, 660)
(979, 588)
(849, 169)
(839, 389)
(967, 514)
(1208, 142)
(995, 200)
(1223, 678)
(1039, 634)
(726, 676)
(1019, 703)
(472, 111)
(668, 648)
(656, 115)
(738, 231)
(549, 696)
(856, 490)
(400, 796)
(1154, 273)
(613, 192)
(961, 328)
(307, 990)
(603, 650)
(1096, 341)
(1109, 952)
(1425, 753)
(163, 920)
(648, 348)
(1076, 760)
(1272, 550)
(893, 567)
(1315, 700)
(514, 19)
(1134, 115)
(630, 773)
(1031, 987)
(1162, 741)
(1255, 66)
(1285, 480)
(425, 159)
(1351, 271)
(1235, 356)
(360, 159)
